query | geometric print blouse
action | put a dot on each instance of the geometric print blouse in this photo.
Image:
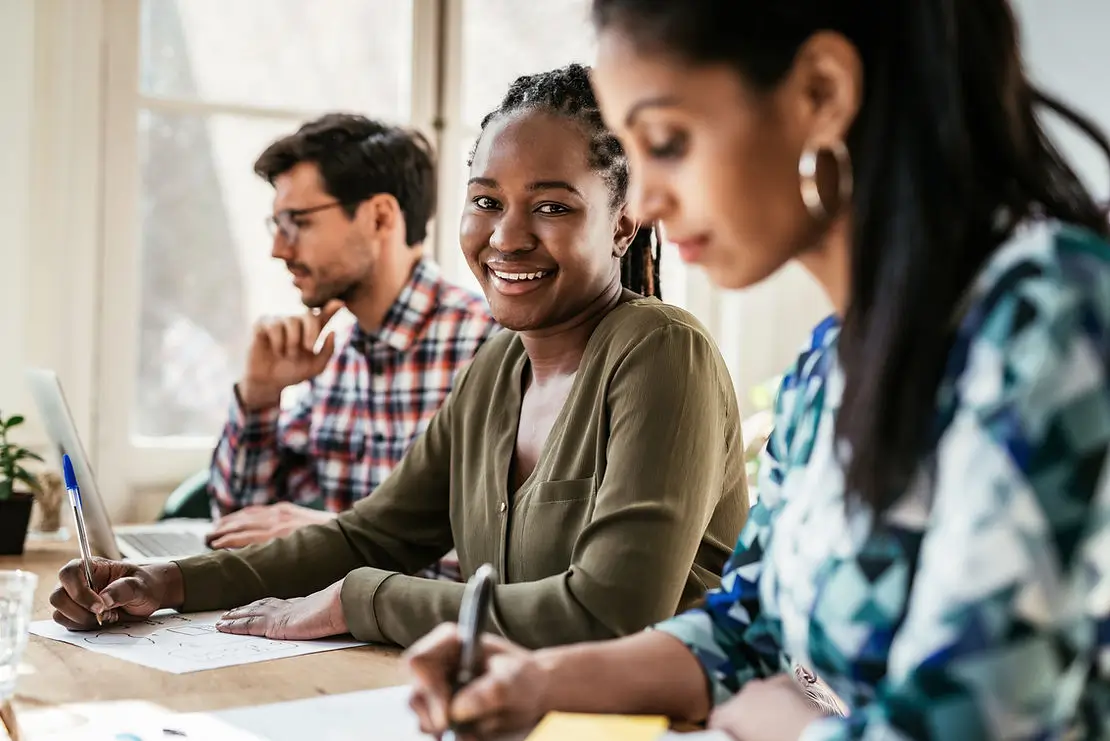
(979, 606)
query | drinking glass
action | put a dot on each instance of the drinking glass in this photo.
(17, 596)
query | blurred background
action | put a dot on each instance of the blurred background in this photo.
(134, 255)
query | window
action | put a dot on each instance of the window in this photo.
(504, 39)
(193, 91)
(218, 81)
(285, 55)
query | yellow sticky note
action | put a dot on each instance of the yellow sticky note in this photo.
(587, 727)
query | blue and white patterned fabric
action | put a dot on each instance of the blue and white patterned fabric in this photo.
(978, 607)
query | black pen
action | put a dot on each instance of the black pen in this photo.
(473, 614)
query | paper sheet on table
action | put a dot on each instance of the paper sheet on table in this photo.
(126, 721)
(382, 715)
(179, 644)
(586, 727)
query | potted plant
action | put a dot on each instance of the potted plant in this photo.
(17, 489)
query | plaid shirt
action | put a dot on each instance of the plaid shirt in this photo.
(351, 425)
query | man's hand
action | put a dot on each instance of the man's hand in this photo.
(283, 353)
(303, 619)
(263, 523)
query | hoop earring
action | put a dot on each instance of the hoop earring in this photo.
(807, 174)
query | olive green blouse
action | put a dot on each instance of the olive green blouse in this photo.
(629, 516)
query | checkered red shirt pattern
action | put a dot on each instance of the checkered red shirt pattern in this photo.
(352, 424)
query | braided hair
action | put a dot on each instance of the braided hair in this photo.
(567, 92)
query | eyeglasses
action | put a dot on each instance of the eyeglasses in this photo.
(285, 221)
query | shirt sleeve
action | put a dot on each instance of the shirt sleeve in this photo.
(262, 457)
(1008, 614)
(728, 635)
(666, 463)
(404, 526)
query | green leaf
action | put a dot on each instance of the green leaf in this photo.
(24, 454)
(13, 421)
(28, 479)
(5, 489)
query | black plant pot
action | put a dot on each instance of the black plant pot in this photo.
(15, 516)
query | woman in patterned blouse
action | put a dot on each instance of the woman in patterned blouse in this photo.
(932, 536)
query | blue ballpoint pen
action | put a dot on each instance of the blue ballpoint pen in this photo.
(79, 519)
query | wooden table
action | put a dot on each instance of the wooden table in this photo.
(60, 673)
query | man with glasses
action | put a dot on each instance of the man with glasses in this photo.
(352, 202)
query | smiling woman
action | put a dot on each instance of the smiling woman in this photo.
(592, 453)
(530, 242)
(533, 118)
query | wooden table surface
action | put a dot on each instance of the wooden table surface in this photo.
(55, 673)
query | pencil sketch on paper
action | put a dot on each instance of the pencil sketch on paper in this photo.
(204, 644)
(183, 643)
(117, 639)
(133, 632)
(199, 643)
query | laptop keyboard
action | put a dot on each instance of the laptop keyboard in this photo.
(165, 544)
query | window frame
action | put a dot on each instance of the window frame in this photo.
(128, 468)
(54, 134)
(126, 464)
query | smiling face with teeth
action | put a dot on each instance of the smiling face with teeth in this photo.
(539, 228)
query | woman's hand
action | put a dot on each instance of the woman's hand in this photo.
(316, 616)
(125, 591)
(509, 694)
(766, 710)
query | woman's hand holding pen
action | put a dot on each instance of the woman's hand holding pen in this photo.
(124, 591)
(508, 695)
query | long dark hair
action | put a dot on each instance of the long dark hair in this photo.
(948, 157)
(567, 92)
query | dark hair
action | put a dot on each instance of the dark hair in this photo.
(948, 159)
(567, 92)
(358, 158)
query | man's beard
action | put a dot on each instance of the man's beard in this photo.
(345, 292)
(346, 288)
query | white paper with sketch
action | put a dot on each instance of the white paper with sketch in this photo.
(180, 644)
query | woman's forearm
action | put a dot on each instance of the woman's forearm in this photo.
(649, 673)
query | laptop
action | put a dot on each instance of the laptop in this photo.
(157, 542)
